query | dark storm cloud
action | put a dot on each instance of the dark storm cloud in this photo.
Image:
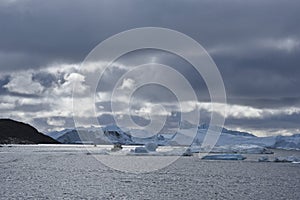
(155, 94)
(45, 79)
(33, 33)
(110, 78)
(106, 119)
(267, 126)
(263, 80)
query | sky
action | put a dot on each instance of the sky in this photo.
(255, 45)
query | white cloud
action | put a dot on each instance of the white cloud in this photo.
(284, 44)
(239, 111)
(58, 97)
(4, 105)
(288, 44)
(152, 109)
(99, 66)
(55, 122)
(23, 83)
(127, 84)
(71, 80)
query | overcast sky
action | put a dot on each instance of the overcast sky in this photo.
(255, 45)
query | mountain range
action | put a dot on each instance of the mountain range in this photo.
(13, 132)
(186, 135)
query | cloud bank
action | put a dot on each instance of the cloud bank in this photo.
(256, 46)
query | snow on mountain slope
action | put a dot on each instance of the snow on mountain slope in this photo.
(57, 134)
(158, 139)
(83, 136)
(116, 135)
(110, 134)
(288, 142)
(227, 137)
(186, 136)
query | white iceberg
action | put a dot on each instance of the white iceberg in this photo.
(264, 159)
(241, 149)
(288, 142)
(287, 159)
(168, 151)
(224, 157)
(148, 148)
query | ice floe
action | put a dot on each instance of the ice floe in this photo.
(242, 149)
(290, 159)
(224, 157)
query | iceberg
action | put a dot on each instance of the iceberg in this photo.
(148, 148)
(264, 159)
(288, 142)
(287, 159)
(140, 150)
(224, 157)
(170, 151)
(241, 149)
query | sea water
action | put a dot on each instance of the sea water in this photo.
(72, 172)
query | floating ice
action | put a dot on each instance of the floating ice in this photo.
(263, 159)
(241, 149)
(140, 150)
(165, 151)
(290, 159)
(287, 159)
(288, 142)
(224, 157)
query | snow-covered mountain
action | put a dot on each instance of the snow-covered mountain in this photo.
(57, 134)
(195, 136)
(110, 134)
(78, 136)
(288, 142)
(187, 135)
(116, 135)
(229, 137)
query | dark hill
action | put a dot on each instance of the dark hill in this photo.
(13, 132)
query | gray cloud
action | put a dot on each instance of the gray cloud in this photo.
(256, 46)
(272, 125)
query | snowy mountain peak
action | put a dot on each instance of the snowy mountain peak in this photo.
(205, 127)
